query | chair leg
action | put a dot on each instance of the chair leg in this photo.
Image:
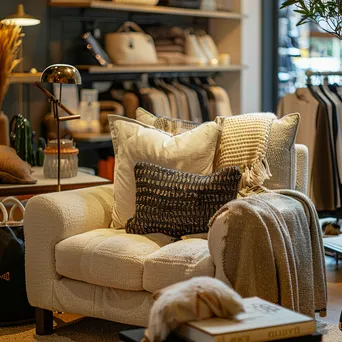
(44, 322)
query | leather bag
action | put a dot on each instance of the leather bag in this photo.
(130, 45)
(15, 308)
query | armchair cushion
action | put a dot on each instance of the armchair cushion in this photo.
(107, 257)
(176, 262)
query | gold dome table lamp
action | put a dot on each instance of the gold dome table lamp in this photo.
(20, 18)
(61, 74)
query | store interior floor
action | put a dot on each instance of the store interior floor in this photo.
(334, 277)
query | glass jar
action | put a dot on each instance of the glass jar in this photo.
(69, 159)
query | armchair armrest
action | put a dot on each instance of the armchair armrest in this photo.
(302, 170)
(51, 218)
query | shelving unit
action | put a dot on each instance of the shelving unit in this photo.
(108, 5)
(94, 69)
(225, 28)
(25, 78)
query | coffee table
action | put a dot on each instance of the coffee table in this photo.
(333, 244)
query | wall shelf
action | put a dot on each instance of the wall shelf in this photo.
(108, 5)
(94, 69)
(26, 77)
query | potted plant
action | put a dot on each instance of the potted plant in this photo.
(10, 40)
(327, 14)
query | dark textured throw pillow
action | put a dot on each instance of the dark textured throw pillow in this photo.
(177, 203)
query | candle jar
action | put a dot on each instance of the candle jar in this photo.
(69, 159)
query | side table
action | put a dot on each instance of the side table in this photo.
(47, 185)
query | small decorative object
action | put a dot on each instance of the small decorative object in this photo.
(325, 14)
(68, 159)
(59, 73)
(21, 138)
(20, 19)
(40, 152)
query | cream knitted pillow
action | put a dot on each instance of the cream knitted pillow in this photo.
(193, 151)
(244, 143)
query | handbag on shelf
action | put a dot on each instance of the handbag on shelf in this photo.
(130, 45)
(15, 308)
(193, 4)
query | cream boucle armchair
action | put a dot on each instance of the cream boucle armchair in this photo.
(76, 264)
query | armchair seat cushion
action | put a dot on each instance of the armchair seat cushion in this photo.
(107, 257)
(176, 262)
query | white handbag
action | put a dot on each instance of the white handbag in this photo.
(127, 47)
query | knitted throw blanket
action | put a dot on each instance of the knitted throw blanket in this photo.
(244, 143)
(270, 245)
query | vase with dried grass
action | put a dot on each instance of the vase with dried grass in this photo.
(10, 40)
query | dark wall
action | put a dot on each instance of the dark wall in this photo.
(35, 46)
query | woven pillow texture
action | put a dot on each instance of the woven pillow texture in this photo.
(133, 142)
(281, 152)
(172, 126)
(244, 143)
(177, 203)
(13, 170)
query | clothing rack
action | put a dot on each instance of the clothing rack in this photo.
(106, 77)
(309, 73)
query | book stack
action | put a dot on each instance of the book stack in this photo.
(262, 321)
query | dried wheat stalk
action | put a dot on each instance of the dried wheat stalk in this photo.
(10, 40)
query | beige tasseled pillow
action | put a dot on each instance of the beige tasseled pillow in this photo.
(244, 143)
(14, 170)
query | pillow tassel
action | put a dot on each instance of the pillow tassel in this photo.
(259, 172)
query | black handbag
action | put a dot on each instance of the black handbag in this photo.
(194, 4)
(14, 306)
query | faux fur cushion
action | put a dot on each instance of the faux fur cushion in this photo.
(172, 126)
(134, 142)
(191, 300)
(177, 203)
(13, 170)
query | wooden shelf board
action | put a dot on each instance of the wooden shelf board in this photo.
(94, 69)
(25, 77)
(146, 9)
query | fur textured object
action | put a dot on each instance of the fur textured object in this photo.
(14, 170)
(191, 300)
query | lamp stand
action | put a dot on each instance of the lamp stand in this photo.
(55, 104)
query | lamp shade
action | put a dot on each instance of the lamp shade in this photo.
(21, 18)
(61, 73)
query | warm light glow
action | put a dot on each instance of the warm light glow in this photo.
(21, 21)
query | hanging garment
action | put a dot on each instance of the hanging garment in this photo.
(332, 135)
(314, 132)
(195, 113)
(222, 101)
(202, 97)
